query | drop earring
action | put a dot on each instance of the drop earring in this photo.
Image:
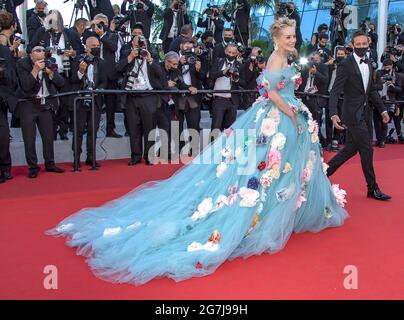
(276, 47)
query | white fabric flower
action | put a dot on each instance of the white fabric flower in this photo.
(221, 168)
(311, 125)
(194, 246)
(268, 127)
(249, 197)
(259, 113)
(339, 195)
(325, 168)
(278, 141)
(265, 180)
(108, 232)
(204, 208)
(314, 138)
(274, 115)
(208, 246)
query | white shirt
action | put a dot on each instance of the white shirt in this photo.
(43, 91)
(142, 81)
(223, 83)
(364, 69)
(186, 74)
(58, 58)
(90, 74)
(174, 28)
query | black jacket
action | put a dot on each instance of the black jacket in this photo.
(321, 78)
(103, 6)
(43, 38)
(33, 24)
(393, 92)
(349, 81)
(153, 70)
(75, 40)
(216, 72)
(171, 74)
(11, 6)
(145, 17)
(30, 86)
(219, 26)
(168, 22)
(218, 51)
(100, 78)
(242, 17)
(9, 80)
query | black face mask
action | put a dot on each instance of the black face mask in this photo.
(227, 39)
(339, 59)
(96, 52)
(399, 30)
(230, 58)
(290, 10)
(386, 71)
(209, 45)
(360, 52)
(176, 6)
(41, 14)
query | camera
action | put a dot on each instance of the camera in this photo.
(178, 80)
(324, 56)
(233, 73)
(21, 40)
(394, 51)
(339, 4)
(51, 64)
(86, 58)
(87, 104)
(190, 56)
(211, 10)
(130, 82)
(387, 77)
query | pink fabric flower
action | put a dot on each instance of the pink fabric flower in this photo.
(274, 115)
(268, 127)
(299, 81)
(274, 158)
(280, 85)
(339, 195)
(228, 132)
(260, 86)
(266, 95)
(306, 175)
(301, 199)
(265, 180)
(231, 199)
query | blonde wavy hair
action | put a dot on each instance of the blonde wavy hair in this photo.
(279, 24)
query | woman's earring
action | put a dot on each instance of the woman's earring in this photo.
(276, 47)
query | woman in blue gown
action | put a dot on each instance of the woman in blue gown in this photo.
(244, 195)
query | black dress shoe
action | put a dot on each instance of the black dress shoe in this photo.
(90, 163)
(378, 195)
(2, 180)
(33, 172)
(113, 134)
(63, 136)
(7, 174)
(381, 144)
(133, 162)
(54, 169)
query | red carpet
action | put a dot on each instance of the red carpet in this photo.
(310, 267)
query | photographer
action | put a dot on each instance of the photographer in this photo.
(241, 20)
(38, 78)
(8, 88)
(290, 11)
(11, 7)
(205, 55)
(88, 72)
(140, 72)
(225, 73)
(186, 32)
(56, 39)
(339, 12)
(37, 18)
(139, 11)
(373, 35)
(189, 106)
(174, 18)
(312, 46)
(321, 46)
(212, 23)
(397, 35)
(76, 33)
(315, 80)
(334, 136)
(252, 68)
(219, 48)
(389, 86)
(100, 7)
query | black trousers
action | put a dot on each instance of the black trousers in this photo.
(163, 122)
(84, 124)
(141, 117)
(33, 116)
(110, 106)
(380, 126)
(193, 118)
(166, 44)
(358, 139)
(241, 37)
(61, 118)
(224, 113)
(5, 157)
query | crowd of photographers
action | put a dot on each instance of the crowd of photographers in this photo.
(112, 50)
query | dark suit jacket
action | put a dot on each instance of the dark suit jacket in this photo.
(33, 24)
(321, 79)
(30, 86)
(145, 17)
(75, 39)
(43, 38)
(175, 44)
(153, 70)
(349, 81)
(218, 51)
(393, 92)
(170, 75)
(219, 26)
(100, 78)
(103, 6)
(216, 72)
(168, 22)
(242, 17)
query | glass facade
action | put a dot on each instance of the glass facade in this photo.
(312, 13)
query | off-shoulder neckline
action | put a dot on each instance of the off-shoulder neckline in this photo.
(278, 70)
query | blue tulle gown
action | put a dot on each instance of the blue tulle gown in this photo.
(243, 195)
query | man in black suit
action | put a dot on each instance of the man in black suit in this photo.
(224, 74)
(212, 23)
(140, 72)
(174, 18)
(354, 77)
(89, 74)
(76, 33)
(140, 14)
(186, 33)
(241, 20)
(37, 81)
(36, 18)
(101, 6)
(218, 49)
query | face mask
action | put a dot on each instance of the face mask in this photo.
(227, 39)
(209, 45)
(360, 52)
(339, 59)
(230, 58)
(96, 52)
(289, 10)
(41, 14)
(176, 6)
(399, 30)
